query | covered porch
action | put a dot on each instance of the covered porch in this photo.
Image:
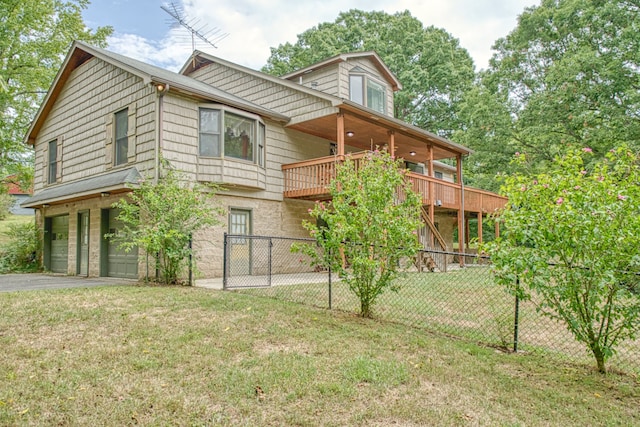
(355, 132)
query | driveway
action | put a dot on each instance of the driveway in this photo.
(33, 282)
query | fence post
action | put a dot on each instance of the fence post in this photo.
(516, 317)
(157, 266)
(224, 262)
(270, 259)
(190, 260)
(329, 280)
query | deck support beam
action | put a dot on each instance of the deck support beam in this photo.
(461, 227)
(340, 135)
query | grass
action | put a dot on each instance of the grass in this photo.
(188, 356)
(465, 303)
(8, 221)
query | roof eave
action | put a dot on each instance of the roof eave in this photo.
(343, 58)
(397, 124)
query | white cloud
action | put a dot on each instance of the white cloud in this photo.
(253, 26)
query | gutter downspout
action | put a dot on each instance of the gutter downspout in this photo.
(162, 89)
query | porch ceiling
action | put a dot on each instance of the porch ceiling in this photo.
(373, 130)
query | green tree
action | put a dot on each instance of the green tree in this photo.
(34, 36)
(161, 218)
(571, 236)
(429, 62)
(366, 229)
(567, 76)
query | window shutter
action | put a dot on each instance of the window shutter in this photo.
(45, 162)
(131, 134)
(59, 159)
(108, 142)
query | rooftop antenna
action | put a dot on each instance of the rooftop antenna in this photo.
(202, 32)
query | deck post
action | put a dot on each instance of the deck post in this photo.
(466, 233)
(479, 228)
(461, 228)
(340, 135)
(431, 197)
(392, 144)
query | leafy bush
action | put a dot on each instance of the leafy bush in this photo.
(23, 251)
(571, 237)
(368, 227)
(161, 217)
(6, 201)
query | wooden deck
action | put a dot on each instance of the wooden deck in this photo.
(310, 180)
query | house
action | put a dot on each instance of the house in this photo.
(271, 142)
(18, 194)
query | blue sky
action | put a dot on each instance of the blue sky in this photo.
(143, 30)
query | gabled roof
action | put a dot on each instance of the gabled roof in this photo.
(200, 59)
(150, 74)
(344, 57)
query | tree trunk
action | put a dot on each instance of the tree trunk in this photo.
(600, 359)
(365, 308)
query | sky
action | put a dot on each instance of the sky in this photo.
(243, 31)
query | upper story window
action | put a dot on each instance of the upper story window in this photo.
(366, 91)
(229, 134)
(53, 162)
(439, 175)
(122, 140)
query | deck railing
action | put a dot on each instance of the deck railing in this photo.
(310, 180)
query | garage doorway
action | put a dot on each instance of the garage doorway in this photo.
(115, 261)
(56, 244)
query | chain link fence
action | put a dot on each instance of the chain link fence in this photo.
(464, 302)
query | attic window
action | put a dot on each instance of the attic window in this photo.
(366, 91)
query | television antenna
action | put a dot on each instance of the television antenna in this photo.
(200, 31)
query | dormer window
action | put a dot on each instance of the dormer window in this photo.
(368, 92)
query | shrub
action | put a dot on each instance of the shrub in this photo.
(571, 237)
(22, 252)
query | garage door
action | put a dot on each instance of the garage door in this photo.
(119, 263)
(59, 249)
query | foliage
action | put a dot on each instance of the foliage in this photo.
(161, 218)
(432, 67)
(367, 228)
(34, 35)
(6, 201)
(567, 76)
(571, 236)
(22, 252)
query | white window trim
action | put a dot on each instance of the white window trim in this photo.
(365, 78)
(227, 109)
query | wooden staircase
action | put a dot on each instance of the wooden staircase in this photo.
(431, 240)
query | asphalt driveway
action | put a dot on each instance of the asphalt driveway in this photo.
(33, 282)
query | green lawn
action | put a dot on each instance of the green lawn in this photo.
(8, 221)
(188, 356)
(465, 303)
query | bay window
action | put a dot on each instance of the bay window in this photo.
(226, 133)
